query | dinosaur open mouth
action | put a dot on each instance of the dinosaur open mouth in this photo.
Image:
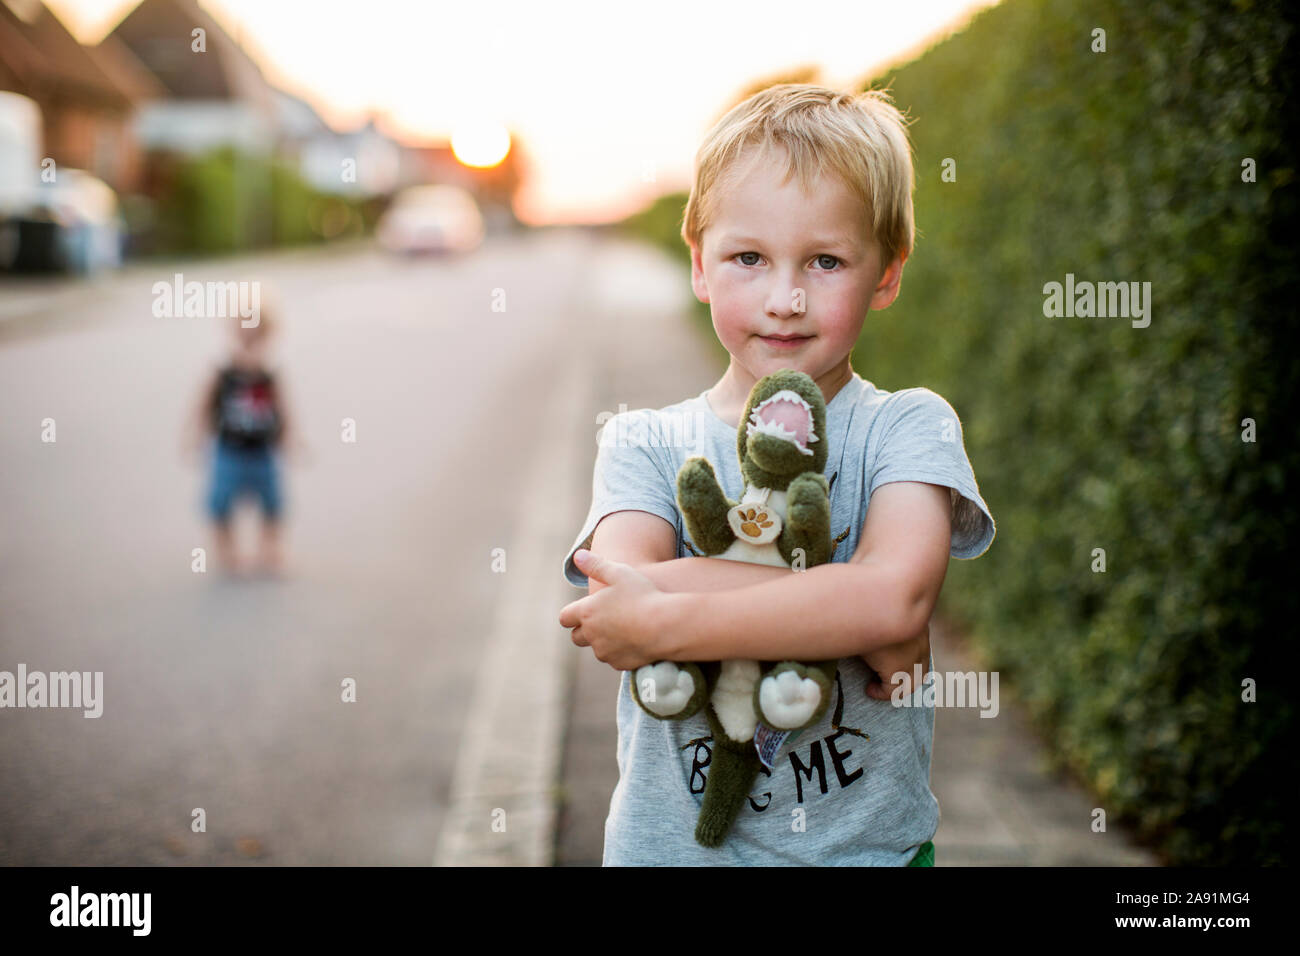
(784, 415)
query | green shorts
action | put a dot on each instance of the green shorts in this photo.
(924, 856)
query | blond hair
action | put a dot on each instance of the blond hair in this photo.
(267, 311)
(262, 332)
(859, 137)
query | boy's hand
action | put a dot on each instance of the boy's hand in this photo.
(191, 445)
(623, 621)
(893, 665)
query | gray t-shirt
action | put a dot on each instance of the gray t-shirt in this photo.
(864, 801)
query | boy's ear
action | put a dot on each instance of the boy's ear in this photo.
(887, 289)
(697, 276)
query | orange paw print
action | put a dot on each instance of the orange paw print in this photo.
(755, 520)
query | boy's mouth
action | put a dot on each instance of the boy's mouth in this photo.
(785, 342)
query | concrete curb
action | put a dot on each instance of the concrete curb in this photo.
(503, 799)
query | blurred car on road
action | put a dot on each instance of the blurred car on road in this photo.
(73, 224)
(438, 218)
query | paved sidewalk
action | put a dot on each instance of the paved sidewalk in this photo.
(999, 804)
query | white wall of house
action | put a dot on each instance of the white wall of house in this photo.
(196, 126)
(20, 150)
(377, 162)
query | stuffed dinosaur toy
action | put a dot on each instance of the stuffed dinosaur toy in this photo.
(783, 520)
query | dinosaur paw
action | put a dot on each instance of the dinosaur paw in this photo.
(809, 485)
(668, 690)
(807, 497)
(697, 476)
(754, 523)
(790, 699)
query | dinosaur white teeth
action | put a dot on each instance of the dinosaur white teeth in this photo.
(756, 422)
(785, 395)
(777, 430)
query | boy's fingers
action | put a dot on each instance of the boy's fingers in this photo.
(604, 570)
(569, 615)
(591, 564)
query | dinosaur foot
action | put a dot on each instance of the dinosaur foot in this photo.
(668, 690)
(791, 696)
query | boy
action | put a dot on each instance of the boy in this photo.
(799, 223)
(242, 407)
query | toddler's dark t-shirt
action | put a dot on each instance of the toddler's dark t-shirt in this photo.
(245, 410)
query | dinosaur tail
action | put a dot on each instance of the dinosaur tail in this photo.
(732, 771)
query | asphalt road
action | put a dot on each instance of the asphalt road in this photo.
(226, 695)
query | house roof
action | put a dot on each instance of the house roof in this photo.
(40, 58)
(125, 69)
(159, 33)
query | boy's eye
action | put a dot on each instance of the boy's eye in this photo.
(821, 260)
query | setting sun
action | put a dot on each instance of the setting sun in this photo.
(482, 145)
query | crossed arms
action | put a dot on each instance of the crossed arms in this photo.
(877, 605)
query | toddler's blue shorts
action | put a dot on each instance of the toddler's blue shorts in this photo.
(239, 472)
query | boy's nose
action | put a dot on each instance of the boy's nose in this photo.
(786, 299)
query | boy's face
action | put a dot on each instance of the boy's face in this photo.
(776, 261)
(248, 343)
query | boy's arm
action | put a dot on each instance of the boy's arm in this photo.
(884, 595)
(708, 574)
(649, 543)
(198, 423)
(909, 525)
(290, 439)
(893, 659)
(287, 430)
(637, 538)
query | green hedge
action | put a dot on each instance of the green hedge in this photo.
(1089, 433)
(226, 200)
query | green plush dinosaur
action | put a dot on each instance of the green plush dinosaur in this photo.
(783, 519)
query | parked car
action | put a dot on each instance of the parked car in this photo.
(73, 224)
(437, 218)
(20, 163)
(70, 223)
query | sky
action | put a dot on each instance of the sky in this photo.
(609, 101)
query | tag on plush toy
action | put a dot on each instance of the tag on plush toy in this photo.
(754, 522)
(767, 741)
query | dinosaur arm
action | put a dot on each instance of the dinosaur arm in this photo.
(808, 524)
(704, 506)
